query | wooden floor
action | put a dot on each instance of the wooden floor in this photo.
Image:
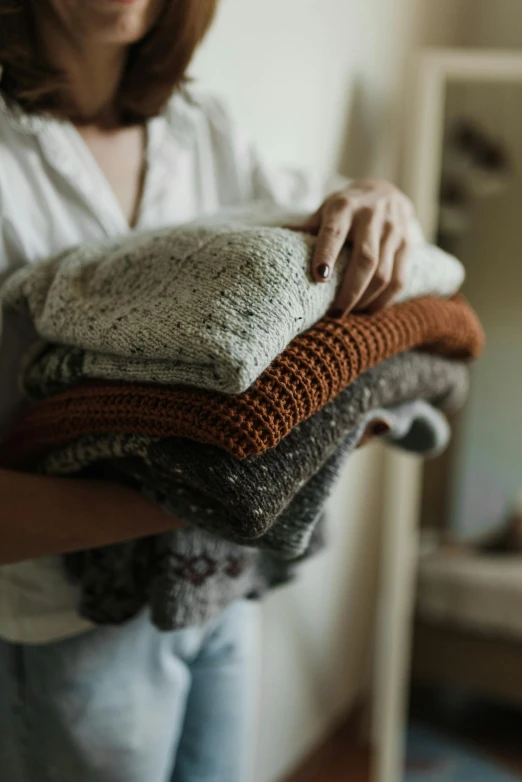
(341, 759)
(491, 729)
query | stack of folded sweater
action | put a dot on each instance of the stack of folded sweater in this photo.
(198, 365)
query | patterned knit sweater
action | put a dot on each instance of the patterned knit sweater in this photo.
(209, 306)
(189, 576)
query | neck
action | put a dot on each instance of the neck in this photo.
(92, 72)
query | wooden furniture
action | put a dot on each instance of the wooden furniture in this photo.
(468, 630)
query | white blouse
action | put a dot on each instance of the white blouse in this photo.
(54, 195)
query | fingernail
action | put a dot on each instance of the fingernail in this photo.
(336, 314)
(323, 271)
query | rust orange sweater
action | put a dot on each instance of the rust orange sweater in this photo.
(314, 368)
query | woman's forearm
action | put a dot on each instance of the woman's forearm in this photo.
(41, 515)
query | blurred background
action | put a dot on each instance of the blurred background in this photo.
(338, 84)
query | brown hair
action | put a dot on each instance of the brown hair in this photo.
(156, 65)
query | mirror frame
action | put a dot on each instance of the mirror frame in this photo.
(432, 70)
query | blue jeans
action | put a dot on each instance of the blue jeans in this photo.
(131, 704)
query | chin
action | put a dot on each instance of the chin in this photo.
(123, 23)
(124, 31)
(115, 21)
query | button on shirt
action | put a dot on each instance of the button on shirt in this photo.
(53, 195)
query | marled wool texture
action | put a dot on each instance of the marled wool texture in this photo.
(260, 500)
(314, 368)
(190, 575)
(204, 306)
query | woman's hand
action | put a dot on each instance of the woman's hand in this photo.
(375, 217)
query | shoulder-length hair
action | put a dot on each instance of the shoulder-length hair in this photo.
(156, 65)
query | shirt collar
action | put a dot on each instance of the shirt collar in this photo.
(173, 117)
(20, 120)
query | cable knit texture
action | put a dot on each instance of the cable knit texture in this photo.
(209, 306)
(190, 575)
(314, 368)
(261, 500)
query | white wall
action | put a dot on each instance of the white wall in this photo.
(293, 70)
(317, 83)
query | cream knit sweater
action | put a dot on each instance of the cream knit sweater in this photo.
(207, 305)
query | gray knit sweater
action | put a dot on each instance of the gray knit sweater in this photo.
(242, 499)
(209, 306)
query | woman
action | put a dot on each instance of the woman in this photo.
(100, 136)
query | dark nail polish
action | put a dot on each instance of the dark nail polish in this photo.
(336, 314)
(323, 271)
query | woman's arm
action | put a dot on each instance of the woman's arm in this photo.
(41, 516)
